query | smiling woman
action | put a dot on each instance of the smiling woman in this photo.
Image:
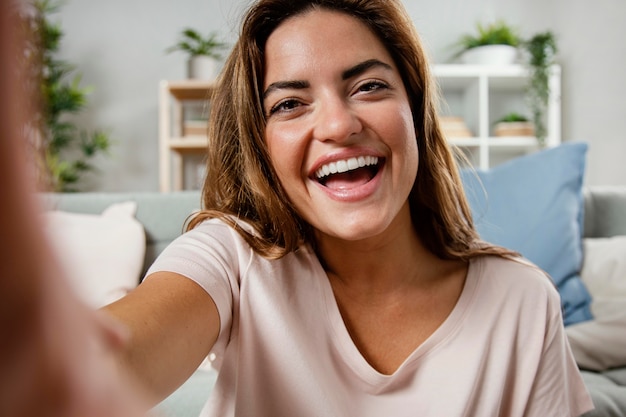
(335, 269)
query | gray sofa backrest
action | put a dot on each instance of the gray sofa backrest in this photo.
(163, 214)
(605, 211)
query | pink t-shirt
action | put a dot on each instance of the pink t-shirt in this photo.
(284, 350)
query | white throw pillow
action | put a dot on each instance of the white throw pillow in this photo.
(600, 344)
(102, 255)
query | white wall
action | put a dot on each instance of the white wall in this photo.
(594, 83)
(118, 46)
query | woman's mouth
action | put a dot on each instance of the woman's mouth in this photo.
(348, 173)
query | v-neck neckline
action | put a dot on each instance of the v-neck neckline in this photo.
(374, 380)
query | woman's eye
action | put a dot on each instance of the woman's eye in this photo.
(284, 106)
(372, 86)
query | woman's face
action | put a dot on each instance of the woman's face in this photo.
(339, 125)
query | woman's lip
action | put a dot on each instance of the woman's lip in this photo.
(357, 193)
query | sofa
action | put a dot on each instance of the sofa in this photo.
(162, 216)
(604, 220)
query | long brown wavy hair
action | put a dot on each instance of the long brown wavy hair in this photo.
(241, 182)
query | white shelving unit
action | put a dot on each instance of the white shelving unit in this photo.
(481, 95)
(478, 94)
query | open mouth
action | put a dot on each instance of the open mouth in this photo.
(348, 173)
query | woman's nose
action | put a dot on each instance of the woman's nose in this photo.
(336, 120)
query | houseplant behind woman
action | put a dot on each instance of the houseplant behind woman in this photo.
(335, 269)
(494, 44)
(203, 53)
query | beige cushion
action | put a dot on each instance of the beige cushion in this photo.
(101, 254)
(600, 344)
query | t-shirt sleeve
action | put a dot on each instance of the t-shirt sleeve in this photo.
(558, 389)
(212, 255)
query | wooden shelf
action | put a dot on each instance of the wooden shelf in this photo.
(190, 89)
(173, 147)
(189, 142)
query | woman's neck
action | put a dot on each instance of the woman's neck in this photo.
(385, 263)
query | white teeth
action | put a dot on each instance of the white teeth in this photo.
(346, 165)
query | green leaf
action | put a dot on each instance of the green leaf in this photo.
(94, 143)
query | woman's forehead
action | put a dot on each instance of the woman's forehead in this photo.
(321, 38)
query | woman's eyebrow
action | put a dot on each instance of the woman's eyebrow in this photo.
(360, 68)
(347, 74)
(295, 85)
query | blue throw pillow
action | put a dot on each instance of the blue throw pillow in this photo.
(534, 205)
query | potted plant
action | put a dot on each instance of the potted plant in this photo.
(494, 44)
(513, 124)
(203, 51)
(541, 51)
(62, 151)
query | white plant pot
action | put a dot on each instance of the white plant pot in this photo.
(490, 55)
(201, 67)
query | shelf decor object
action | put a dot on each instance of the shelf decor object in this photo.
(200, 67)
(514, 124)
(203, 53)
(455, 127)
(504, 129)
(490, 55)
(494, 44)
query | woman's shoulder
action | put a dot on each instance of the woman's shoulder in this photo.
(511, 266)
(222, 225)
(512, 289)
(224, 231)
(228, 237)
(514, 274)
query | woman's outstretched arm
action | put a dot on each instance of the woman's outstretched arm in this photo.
(173, 324)
(58, 357)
